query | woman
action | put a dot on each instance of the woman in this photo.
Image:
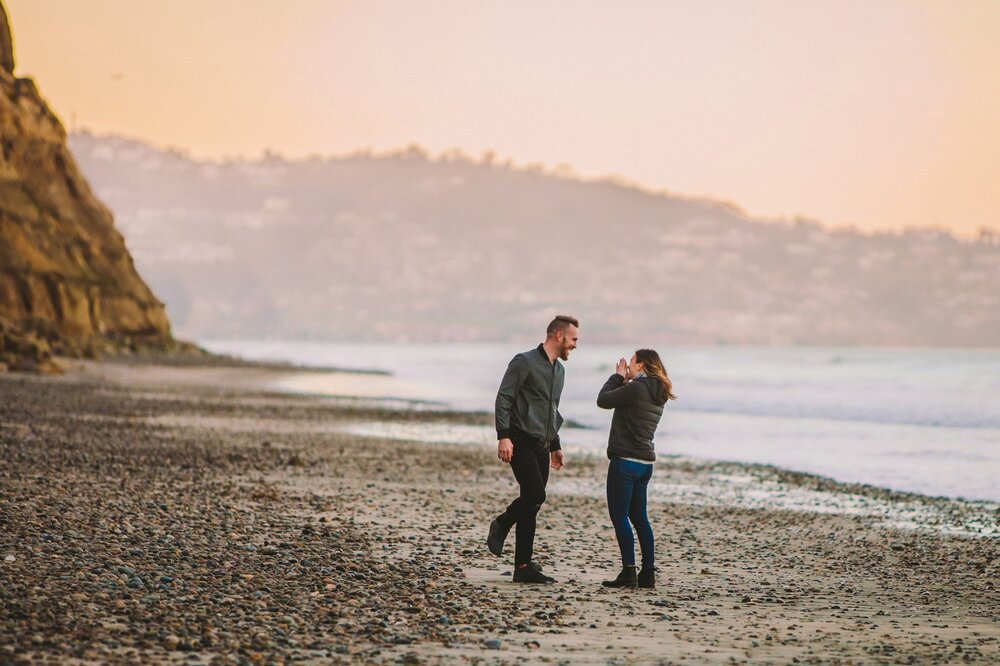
(637, 392)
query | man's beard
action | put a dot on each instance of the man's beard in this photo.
(564, 353)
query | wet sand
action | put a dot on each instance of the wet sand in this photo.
(157, 515)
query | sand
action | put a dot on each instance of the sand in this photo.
(156, 515)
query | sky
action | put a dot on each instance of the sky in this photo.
(878, 114)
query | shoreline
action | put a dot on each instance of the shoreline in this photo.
(803, 477)
(197, 515)
(983, 516)
(931, 457)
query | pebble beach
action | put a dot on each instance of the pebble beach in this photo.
(194, 514)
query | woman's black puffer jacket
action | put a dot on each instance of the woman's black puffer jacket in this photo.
(638, 407)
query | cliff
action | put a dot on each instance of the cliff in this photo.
(67, 282)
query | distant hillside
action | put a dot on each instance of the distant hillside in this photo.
(405, 247)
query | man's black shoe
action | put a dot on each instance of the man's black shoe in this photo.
(538, 568)
(498, 534)
(647, 577)
(532, 573)
(627, 578)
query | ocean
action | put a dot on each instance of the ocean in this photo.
(917, 420)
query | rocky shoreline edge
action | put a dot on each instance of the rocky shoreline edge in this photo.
(158, 517)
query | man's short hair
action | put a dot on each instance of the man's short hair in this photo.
(561, 323)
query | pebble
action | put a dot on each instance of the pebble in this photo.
(188, 540)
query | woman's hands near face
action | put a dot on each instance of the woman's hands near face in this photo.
(622, 368)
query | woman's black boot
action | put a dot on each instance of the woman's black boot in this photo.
(627, 578)
(647, 577)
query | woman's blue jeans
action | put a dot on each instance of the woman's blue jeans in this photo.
(627, 481)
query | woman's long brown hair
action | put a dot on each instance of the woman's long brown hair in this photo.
(653, 367)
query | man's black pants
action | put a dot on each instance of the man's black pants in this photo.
(530, 464)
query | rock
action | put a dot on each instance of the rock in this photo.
(6, 44)
(9, 558)
(66, 277)
(492, 644)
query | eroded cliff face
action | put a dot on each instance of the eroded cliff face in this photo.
(66, 277)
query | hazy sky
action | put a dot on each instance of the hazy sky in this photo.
(876, 113)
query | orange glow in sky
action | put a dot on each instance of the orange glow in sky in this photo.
(876, 113)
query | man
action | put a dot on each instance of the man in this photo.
(527, 421)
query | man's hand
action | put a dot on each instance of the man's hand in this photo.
(622, 368)
(505, 449)
(557, 459)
